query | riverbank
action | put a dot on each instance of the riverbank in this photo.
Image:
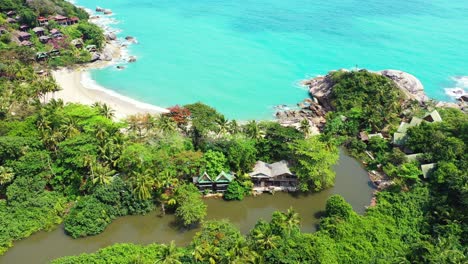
(77, 86)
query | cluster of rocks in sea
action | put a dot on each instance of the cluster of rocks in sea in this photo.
(104, 10)
(315, 108)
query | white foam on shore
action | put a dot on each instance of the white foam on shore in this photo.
(89, 83)
(460, 88)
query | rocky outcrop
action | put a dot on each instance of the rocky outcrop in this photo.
(132, 59)
(407, 83)
(111, 36)
(309, 110)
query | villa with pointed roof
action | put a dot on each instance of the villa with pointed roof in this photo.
(399, 137)
(219, 184)
(273, 177)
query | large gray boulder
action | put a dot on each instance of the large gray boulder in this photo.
(111, 36)
(407, 83)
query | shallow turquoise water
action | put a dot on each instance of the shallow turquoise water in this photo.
(246, 56)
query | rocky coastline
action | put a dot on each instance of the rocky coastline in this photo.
(315, 108)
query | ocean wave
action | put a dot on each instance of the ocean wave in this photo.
(89, 83)
(460, 88)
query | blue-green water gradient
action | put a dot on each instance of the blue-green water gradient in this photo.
(246, 56)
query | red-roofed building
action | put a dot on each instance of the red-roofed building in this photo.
(43, 21)
(73, 20)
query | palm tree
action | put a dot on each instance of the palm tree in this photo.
(101, 175)
(223, 125)
(206, 252)
(170, 254)
(142, 184)
(233, 127)
(291, 220)
(165, 124)
(70, 128)
(101, 133)
(166, 182)
(106, 111)
(253, 130)
(305, 127)
(241, 253)
(6, 175)
(265, 239)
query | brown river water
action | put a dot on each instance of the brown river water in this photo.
(352, 183)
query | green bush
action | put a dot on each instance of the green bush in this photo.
(88, 217)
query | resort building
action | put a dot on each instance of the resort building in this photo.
(24, 28)
(61, 20)
(26, 43)
(273, 177)
(44, 39)
(205, 183)
(22, 36)
(42, 21)
(11, 20)
(399, 137)
(39, 31)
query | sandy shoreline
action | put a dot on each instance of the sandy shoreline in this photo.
(78, 87)
(74, 91)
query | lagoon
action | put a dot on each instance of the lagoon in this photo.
(352, 182)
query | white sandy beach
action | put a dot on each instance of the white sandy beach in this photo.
(73, 91)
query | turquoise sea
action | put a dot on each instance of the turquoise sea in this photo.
(246, 56)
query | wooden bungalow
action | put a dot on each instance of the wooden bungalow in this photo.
(44, 39)
(43, 21)
(61, 20)
(39, 31)
(22, 36)
(11, 20)
(24, 28)
(26, 43)
(73, 20)
(205, 183)
(10, 13)
(273, 177)
(55, 33)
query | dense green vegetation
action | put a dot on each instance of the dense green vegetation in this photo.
(413, 221)
(74, 163)
(59, 50)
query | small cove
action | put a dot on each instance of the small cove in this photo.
(352, 183)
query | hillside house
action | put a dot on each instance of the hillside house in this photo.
(273, 177)
(43, 21)
(23, 36)
(24, 28)
(39, 31)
